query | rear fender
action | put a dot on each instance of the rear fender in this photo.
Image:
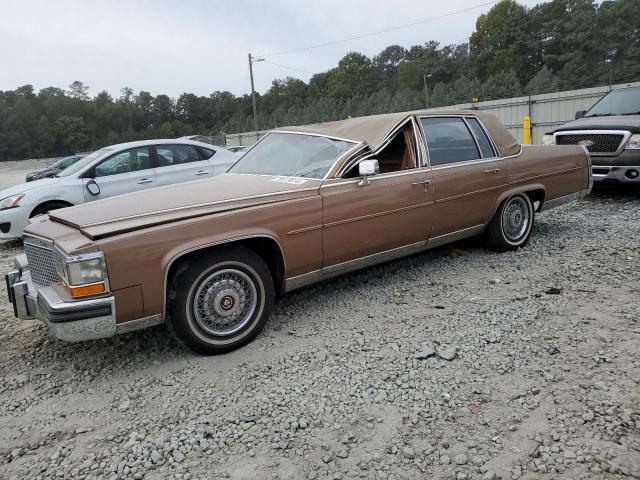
(529, 187)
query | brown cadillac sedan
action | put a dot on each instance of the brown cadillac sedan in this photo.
(208, 258)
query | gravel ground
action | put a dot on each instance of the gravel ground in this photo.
(536, 374)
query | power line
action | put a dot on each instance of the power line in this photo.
(365, 35)
(288, 67)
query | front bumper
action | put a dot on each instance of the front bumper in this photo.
(13, 221)
(620, 169)
(616, 174)
(72, 321)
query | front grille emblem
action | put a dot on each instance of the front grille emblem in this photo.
(586, 143)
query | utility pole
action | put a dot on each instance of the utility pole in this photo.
(426, 90)
(253, 90)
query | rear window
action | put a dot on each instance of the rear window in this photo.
(481, 137)
(206, 153)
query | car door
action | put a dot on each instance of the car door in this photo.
(468, 175)
(123, 172)
(180, 163)
(391, 213)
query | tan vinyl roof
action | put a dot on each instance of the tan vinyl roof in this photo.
(374, 129)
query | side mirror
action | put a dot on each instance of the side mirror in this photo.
(367, 168)
(93, 187)
(580, 114)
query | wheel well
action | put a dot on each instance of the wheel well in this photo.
(50, 202)
(536, 196)
(265, 247)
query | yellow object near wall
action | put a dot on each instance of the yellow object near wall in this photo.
(527, 131)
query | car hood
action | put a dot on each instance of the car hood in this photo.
(156, 206)
(25, 187)
(618, 122)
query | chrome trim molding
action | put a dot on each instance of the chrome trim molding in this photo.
(590, 169)
(380, 176)
(300, 281)
(557, 202)
(138, 324)
(455, 236)
(313, 134)
(626, 135)
(372, 259)
(325, 273)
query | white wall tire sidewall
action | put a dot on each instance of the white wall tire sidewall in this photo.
(527, 233)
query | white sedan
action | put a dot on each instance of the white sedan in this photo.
(114, 170)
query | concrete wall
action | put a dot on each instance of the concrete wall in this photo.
(546, 111)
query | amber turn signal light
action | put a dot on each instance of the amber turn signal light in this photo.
(85, 290)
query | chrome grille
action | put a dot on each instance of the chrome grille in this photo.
(602, 143)
(41, 259)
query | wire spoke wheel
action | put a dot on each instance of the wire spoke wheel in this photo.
(515, 219)
(224, 302)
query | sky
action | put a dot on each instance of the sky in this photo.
(201, 46)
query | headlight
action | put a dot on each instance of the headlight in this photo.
(83, 275)
(11, 202)
(634, 142)
(548, 140)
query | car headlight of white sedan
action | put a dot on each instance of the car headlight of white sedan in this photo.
(11, 202)
(83, 275)
(548, 140)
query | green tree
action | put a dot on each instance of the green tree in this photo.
(543, 82)
(499, 41)
(79, 91)
(72, 133)
(353, 76)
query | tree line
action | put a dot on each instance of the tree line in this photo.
(514, 50)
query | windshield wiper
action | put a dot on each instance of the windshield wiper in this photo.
(598, 115)
(631, 113)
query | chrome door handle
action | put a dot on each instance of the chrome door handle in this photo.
(201, 172)
(424, 182)
(145, 180)
(495, 170)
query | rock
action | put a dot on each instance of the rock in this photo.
(448, 353)
(178, 456)
(494, 281)
(461, 459)
(342, 453)
(124, 405)
(588, 417)
(425, 351)
(489, 475)
(155, 456)
(408, 452)
(445, 460)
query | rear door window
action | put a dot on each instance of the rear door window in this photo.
(481, 137)
(168, 155)
(449, 140)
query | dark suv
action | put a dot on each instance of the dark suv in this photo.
(610, 130)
